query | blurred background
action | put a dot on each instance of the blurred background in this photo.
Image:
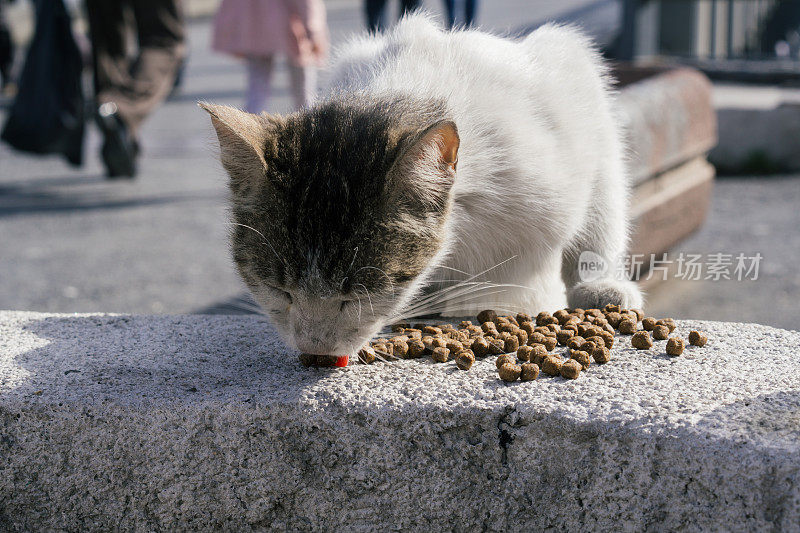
(128, 215)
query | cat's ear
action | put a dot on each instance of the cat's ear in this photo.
(428, 165)
(243, 141)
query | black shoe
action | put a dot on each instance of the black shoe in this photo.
(119, 148)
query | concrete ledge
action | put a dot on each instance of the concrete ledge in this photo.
(206, 422)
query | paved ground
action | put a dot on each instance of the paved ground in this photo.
(71, 241)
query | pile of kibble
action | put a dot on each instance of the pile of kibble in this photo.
(526, 345)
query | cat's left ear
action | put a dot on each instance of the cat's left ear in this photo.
(428, 165)
(244, 139)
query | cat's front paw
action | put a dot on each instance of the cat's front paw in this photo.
(598, 293)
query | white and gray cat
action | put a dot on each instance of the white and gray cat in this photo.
(443, 172)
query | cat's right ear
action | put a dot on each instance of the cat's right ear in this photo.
(243, 141)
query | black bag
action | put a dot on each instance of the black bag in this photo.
(47, 114)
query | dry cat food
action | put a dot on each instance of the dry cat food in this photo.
(570, 369)
(524, 346)
(440, 354)
(509, 372)
(464, 359)
(696, 338)
(641, 340)
(675, 346)
(660, 332)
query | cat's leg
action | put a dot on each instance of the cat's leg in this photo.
(591, 266)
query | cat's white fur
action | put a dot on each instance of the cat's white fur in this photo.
(540, 175)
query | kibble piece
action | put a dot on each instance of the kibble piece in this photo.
(385, 349)
(641, 340)
(675, 346)
(550, 343)
(474, 331)
(509, 372)
(564, 336)
(597, 340)
(439, 342)
(512, 320)
(611, 308)
(464, 324)
(432, 330)
(614, 318)
(582, 357)
(441, 354)
(454, 346)
(461, 336)
(528, 327)
(536, 338)
(660, 332)
(416, 348)
(609, 328)
(506, 358)
(562, 315)
(571, 369)
(594, 312)
(608, 338)
(400, 338)
(555, 328)
(400, 348)
(464, 359)
(524, 353)
(511, 343)
(588, 346)
(400, 326)
(697, 338)
(670, 323)
(522, 336)
(539, 352)
(496, 346)
(627, 327)
(366, 355)
(579, 311)
(487, 316)
(427, 341)
(639, 314)
(601, 355)
(530, 371)
(523, 317)
(480, 347)
(570, 327)
(551, 365)
(413, 333)
(489, 327)
(541, 317)
(575, 342)
(507, 327)
(648, 323)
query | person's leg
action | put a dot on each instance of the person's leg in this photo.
(450, 7)
(407, 6)
(470, 7)
(109, 29)
(259, 78)
(108, 32)
(161, 34)
(304, 85)
(374, 10)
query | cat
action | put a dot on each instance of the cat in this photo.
(443, 172)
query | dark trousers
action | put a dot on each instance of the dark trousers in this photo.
(376, 12)
(6, 49)
(469, 12)
(141, 81)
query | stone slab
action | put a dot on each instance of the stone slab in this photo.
(203, 423)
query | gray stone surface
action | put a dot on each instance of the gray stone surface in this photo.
(207, 422)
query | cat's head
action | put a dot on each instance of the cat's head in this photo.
(339, 212)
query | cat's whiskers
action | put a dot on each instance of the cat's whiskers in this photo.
(391, 283)
(368, 298)
(264, 242)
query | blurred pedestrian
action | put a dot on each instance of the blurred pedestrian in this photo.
(261, 30)
(376, 12)
(452, 15)
(7, 86)
(129, 88)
